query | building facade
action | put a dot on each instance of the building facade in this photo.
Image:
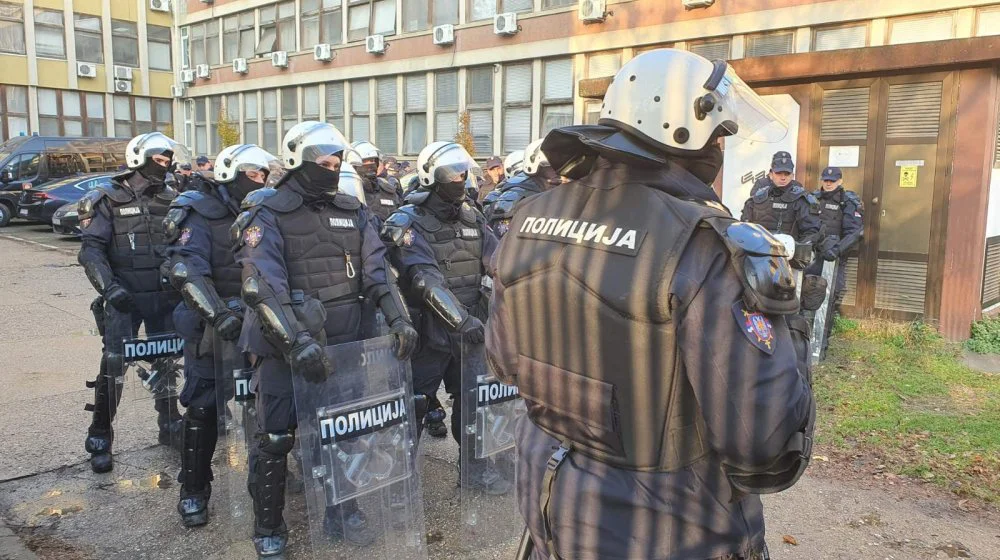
(85, 67)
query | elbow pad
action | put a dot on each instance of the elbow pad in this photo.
(198, 293)
(758, 257)
(279, 328)
(391, 303)
(441, 301)
(99, 274)
(785, 471)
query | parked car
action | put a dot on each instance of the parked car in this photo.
(32, 161)
(66, 221)
(39, 204)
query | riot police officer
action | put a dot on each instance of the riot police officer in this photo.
(538, 176)
(203, 268)
(689, 385)
(381, 194)
(309, 254)
(840, 212)
(782, 205)
(121, 252)
(441, 247)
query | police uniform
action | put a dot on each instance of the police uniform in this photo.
(513, 192)
(434, 243)
(790, 210)
(841, 213)
(381, 196)
(689, 367)
(122, 247)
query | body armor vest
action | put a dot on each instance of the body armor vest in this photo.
(383, 200)
(323, 259)
(519, 188)
(831, 211)
(598, 263)
(777, 213)
(138, 240)
(227, 275)
(458, 250)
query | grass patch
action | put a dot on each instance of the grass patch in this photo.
(899, 392)
(985, 337)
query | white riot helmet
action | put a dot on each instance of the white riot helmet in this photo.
(144, 146)
(443, 162)
(680, 101)
(366, 151)
(513, 163)
(310, 141)
(242, 158)
(350, 182)
(534, 158)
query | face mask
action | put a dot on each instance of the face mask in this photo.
(155, 173)
(319, 179)
(242, 186)
(706, 165)
(451, 192)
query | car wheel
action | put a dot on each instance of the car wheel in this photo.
(5, 215)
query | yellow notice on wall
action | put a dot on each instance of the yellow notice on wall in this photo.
(908, 177)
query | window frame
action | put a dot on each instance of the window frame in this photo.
(234, 38)
(481, 106)
(318, 16)
(548, 103)
(366, 114)
(159, 41)
(440, 109)
(265, 119)
(90, 34)
(116, 36)
(153, 114)
(6, 114)
(390, 115)
(51, 27)
(15, 21)
(371, 18)
(275, 25)
(506, 104)
(85, 119)
(333, 116)
(429, 13)
(820, 28)
(409, 112)
(498, 8)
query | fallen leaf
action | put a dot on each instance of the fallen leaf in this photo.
(820, 458)
(790, 540)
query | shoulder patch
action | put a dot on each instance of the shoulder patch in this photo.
(396, 229)
(756, 327)
(172, 222)
(253, 235)
(760, 195)
(184, 237)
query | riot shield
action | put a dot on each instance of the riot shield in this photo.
(490, 518)
(237, 426)
(823, 317)
(357, 432)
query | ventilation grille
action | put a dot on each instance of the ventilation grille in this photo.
(712, 50)
(851, 277)
(845, 114)
(914, 110)
(771, 44)
(991, 273)
(900, 285)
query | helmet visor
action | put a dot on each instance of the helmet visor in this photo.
(350, 182)
(756, 120)
(450, 165)
(318, 142)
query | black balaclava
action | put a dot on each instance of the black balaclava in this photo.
(705, 164)
(317, 180)
(153, 172)
(451, 192)
(242, 186)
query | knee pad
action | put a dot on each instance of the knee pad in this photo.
(276, 443)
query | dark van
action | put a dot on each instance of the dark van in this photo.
(32, 161)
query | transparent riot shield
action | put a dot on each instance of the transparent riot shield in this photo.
(357, 432)
(823, 317)
(490, 519)
(237, 426)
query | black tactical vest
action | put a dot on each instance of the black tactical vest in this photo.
(458, 249)
(138, 241)
(777, 213)
(831, 211)
(383, 200)
(594, 266)
(226, 274)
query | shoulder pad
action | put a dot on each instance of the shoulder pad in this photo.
(281, 200)
(759, 258)
(421, 218)
(417, 197)
(753, 239)
(202, 203)
(395, 227)
(386, 185)
(346, 202)
(467, 213)
(239, 224)
(88, 203)
(115, 193)
(853, 197)
(503, 208)
(257, 197)
(796, 188)
(811, 198)
(761, 194)
(173, 221)
(167, 194)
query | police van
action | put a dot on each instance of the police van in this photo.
(32, 161)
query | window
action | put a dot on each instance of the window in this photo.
(310, 103)
(321, 22)
(370, 17)
(163, 115)
(385, 120)
(359, 111)
(335, 104)
(934, 27)
(70, 113)
(185, 47)
(204, 42)
(24, 167)
(549, 4)
(142, 114)
(48, 112)
(124, 43)
(270, 110)
(516, 107)
(988, 22)
(716, 49)
(277, 28)
(89, 45)
(770, 44)
(480, 103)
(158, 42)
(415, 119)
(289, 109)
(603, 65)
(486, 9)
(201, 125)
(50, 37)
(422, 14)
(557, 94)
(251, 123)
(445, 105)
(13, 111)
(214, 113)
(95, 114)
(123, 116)
(833, 38)
(212, 42)
(237, 37)
(138, 115)
(12, 28)
(592, 111)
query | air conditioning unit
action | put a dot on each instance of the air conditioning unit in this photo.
(692, 4)
(177, 91)
(202, 71)
(323, 52)
(444, 34)
(159, 5)
(123, 86)
(187, 76)
(375, 44)
(593, 11)
(86, 70)
(123, 73)
(279, 59)
(240, 66)
(505, 24)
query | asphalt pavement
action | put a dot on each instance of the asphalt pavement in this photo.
(56, 507)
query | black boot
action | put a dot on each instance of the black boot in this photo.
(100, 434)
(200, 436)
(270, 546)
(347, 523)
(99, 448)
(168, 418)
(268, 471)
(434, 423)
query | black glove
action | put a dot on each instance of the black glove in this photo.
(406, 338)
(228, 325)
(830, 255)
(119, 297)
(473, 331)
(308, 359)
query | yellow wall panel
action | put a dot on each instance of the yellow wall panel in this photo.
(94, 84)
(49, 4)
(53, 73)
(124, 10)
(92, 7)
(158, 18)
(159, 83)
(137, 82)
(15, 69)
